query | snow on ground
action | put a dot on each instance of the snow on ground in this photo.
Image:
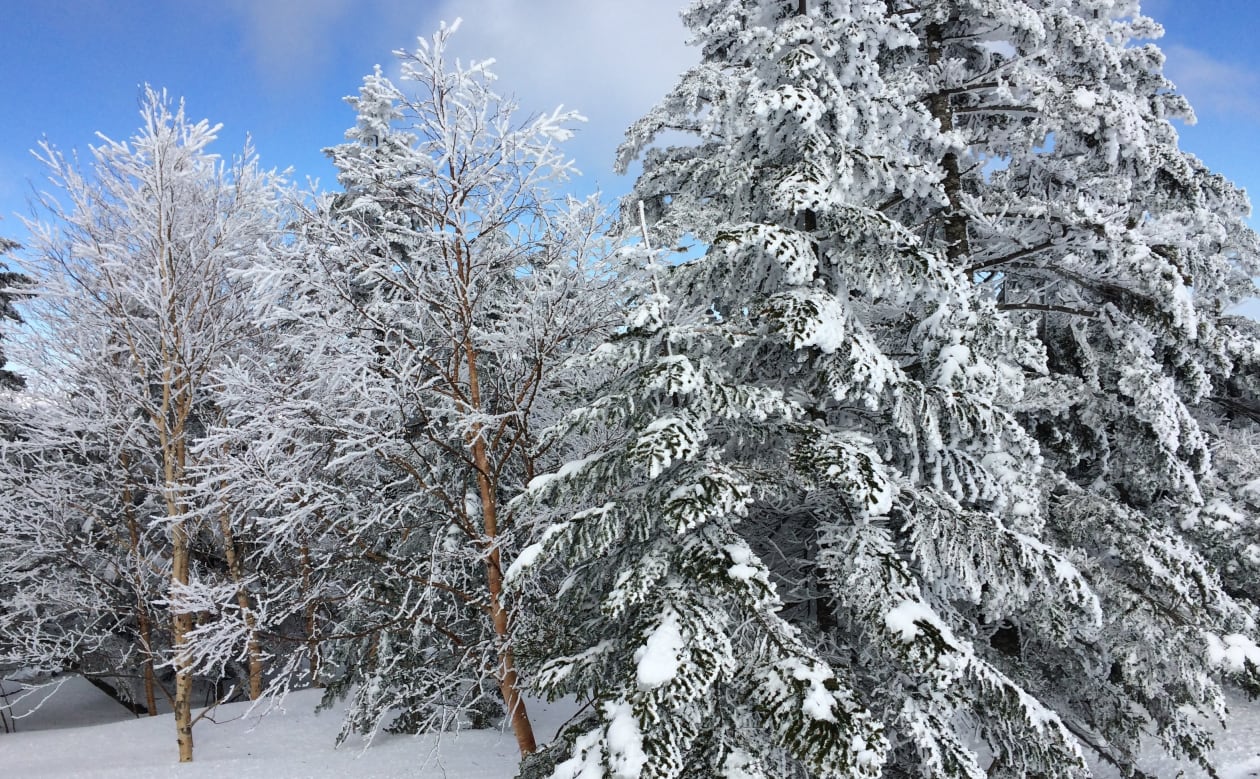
(66, 702)
(1237, 753)
(290, 744)
(81, 733)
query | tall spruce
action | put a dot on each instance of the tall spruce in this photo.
(863, 508)
(13, 287)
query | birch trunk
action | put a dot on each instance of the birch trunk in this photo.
(144, 624)
(173, 463)
(253, 648)
(182, 625)
(509, 682)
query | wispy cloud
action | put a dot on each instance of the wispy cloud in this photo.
(617, 55)
(1222, 89)
(288, 39)
(610, 60)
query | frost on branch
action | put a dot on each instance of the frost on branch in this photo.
(961, 285)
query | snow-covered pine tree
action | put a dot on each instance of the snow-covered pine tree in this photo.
(10, 291)
(1068, 198)
(1226, 529)
(828, 405)
(422, 317)
(136, 305)
(798, 552)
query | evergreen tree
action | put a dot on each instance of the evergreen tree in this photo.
(1226, 529)
(10, 291)
(1068, 198)
(844, 523)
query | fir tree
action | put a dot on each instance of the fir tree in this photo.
(1068, 198)
(835, 529)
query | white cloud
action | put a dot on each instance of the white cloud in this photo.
(609, 60)
(620, 56)
(1221, 89)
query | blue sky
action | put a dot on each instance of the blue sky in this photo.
(278, 69)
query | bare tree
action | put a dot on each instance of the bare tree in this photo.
(136, 306)
(425, 314)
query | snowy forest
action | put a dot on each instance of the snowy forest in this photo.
(938, 457)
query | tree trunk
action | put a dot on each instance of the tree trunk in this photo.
(182, 625)
(181, 621)
(509, 683)
(253, 648)
(176, 407)
(309, 613)
(171, 422)
(956, 240)
(143, 624)
(150, 677)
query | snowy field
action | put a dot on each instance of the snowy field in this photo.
(81, 733)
